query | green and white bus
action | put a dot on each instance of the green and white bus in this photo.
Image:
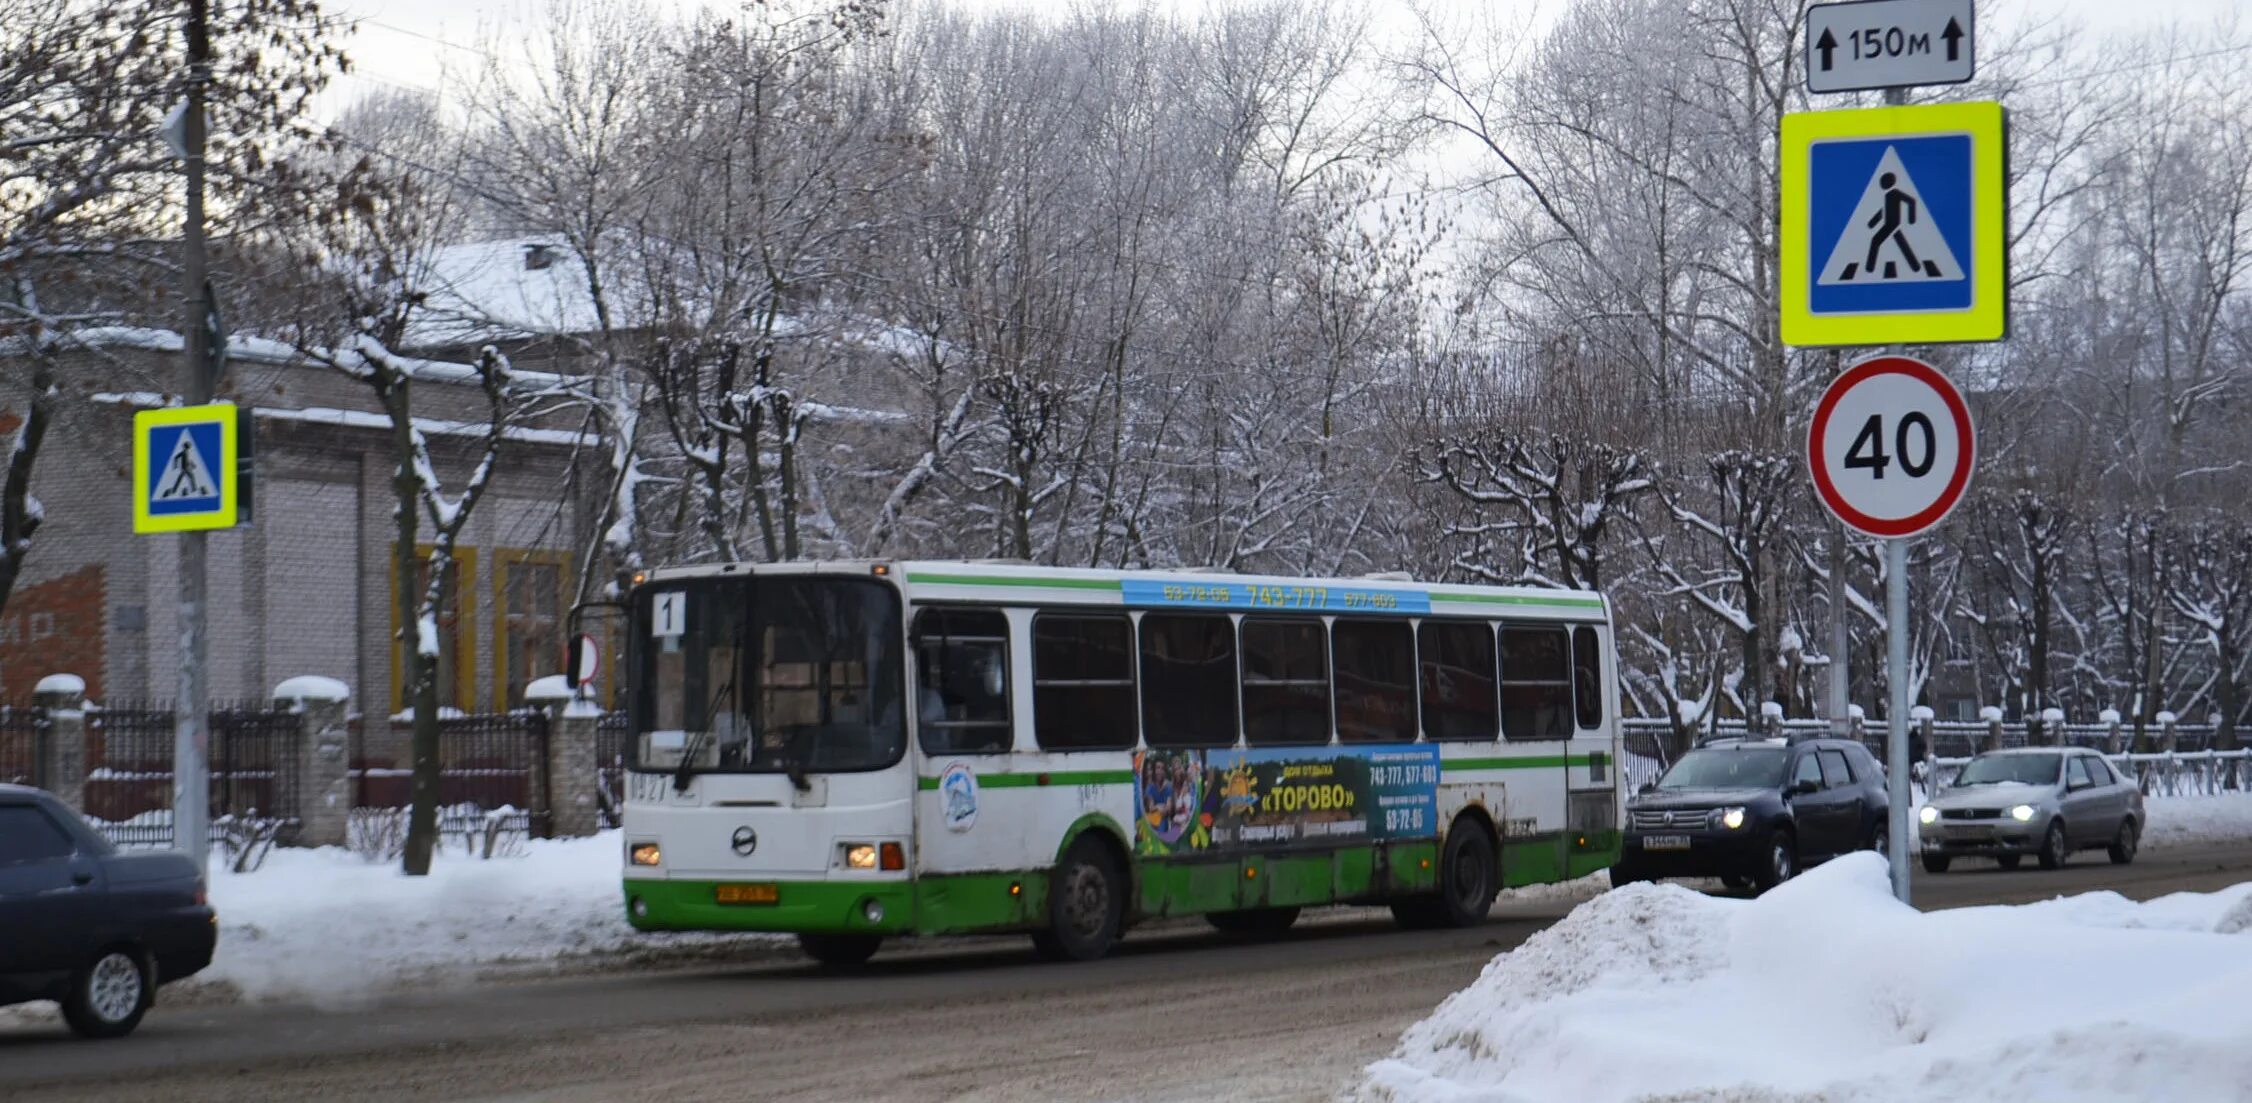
(849, 751)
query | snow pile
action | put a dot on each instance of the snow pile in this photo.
(2178, 820)
(327, 926)
(1826, 989)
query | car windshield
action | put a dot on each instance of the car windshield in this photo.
(1993, 769)
(789, 674)
(1746, 768)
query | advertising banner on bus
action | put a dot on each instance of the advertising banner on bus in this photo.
(1283, 798)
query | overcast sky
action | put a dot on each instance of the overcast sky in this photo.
(412, 43)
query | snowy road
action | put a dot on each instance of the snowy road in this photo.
(1178, 1015)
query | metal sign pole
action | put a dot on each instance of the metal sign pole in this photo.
(1896, 719)
(191, 773)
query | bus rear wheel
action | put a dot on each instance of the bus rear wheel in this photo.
(840, 951)
(1085, 905)
(1255, 922)
(1468, 882)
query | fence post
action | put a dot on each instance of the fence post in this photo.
(323, 760)
(567, 775)
(61, 768)
(2109, 718)
(1992, 715)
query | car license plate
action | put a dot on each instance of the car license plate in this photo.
(1665, 842)
(749, 894)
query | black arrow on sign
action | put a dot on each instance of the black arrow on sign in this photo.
(1825, 44)
(1954, 36)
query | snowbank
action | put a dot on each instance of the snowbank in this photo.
(1827, 989)
(327, 926)
(2221, 817)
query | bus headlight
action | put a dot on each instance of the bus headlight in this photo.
(872, 911)
(860, 856)
(645, 854)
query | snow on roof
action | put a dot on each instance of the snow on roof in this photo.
(492, 290)
(358, 419)
(261, 350)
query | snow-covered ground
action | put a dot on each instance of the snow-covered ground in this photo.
(1826, 989)
(327, 927)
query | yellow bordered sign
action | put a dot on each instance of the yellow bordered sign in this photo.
(1894, 225)
(185, 469)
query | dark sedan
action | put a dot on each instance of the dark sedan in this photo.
(88, 926)
(1755, 812)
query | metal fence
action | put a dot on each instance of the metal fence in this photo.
(485, 761)
(20, 728)
(611, 736)
(252, 757)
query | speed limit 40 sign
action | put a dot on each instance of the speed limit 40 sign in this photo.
(1891, 446)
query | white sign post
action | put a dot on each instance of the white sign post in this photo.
(1891, 450)
(1869, 44)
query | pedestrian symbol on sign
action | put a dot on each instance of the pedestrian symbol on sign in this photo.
(187, 475)
(1890, 236)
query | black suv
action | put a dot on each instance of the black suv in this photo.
(1754, 812)
(86, 925)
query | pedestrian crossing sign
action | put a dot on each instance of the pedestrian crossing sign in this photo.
(1893, 225)
(185, 469)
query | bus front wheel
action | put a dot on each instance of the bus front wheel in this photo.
(840, 951)
(1468, 882)
(1085, 905)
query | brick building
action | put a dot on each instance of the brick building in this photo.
(307, 587)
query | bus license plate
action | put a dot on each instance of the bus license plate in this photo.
(749, 894)
(1665, 842)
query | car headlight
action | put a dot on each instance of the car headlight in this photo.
(1732, 818)
(645, 854)
(860, 856)
(2023, 813)
(1928, 814)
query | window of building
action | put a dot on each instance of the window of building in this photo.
(1188, 680)
(962, 681)
(1837, 773)
(1587, 677)
(1536, 683)
(1285, 682)
(457, 632)
(1083, 681)
(1458, 680)
(529, 604)
(1375, 665)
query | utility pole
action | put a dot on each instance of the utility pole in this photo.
(191, 736)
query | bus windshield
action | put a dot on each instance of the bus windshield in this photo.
(794, 674)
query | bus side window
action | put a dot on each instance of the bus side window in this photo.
(962, 681)
(1536, 682)
(1083, 681)
(1285, 681)
(1375, 665)
(1587, 677)
(1188, 680)
(1458, 680)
